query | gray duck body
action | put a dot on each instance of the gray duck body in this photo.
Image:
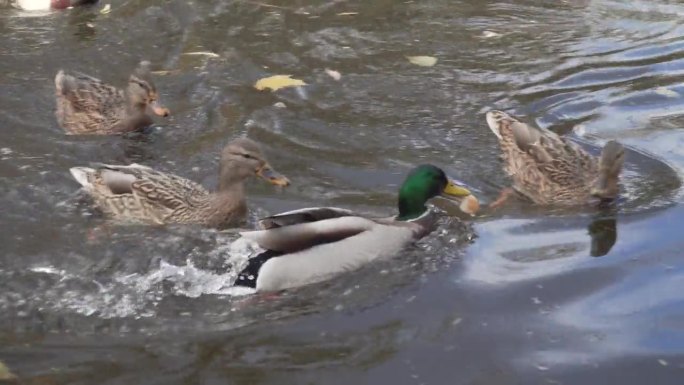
(315, 244)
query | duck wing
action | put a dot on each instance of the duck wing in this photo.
(156, 188)
(273, 270)
(297, 230)
(89, 94)
(136, 191)
(560, 159)
(306, 215)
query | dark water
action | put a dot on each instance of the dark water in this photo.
(523, 296)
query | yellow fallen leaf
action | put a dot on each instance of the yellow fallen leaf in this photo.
(277, 82)
(201, 53)
(106, 9)
(423, 61)
(5, 373)
(666, 92)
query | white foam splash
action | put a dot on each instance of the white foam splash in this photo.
(137, 295)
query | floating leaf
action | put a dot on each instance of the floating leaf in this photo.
(333, 74)
(5, 373)
(164, 72)
(277, 82)
(201, 53)
(106, 9)
(489, 34)
(423, 61)
(666, 92)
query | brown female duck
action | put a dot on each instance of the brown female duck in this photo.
(86, 105)
(549, 169)
(140, 194)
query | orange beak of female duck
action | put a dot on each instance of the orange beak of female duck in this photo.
(160, 110)
(271, 176)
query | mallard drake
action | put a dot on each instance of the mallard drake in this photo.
(549, 169)
(313, 244)
(141, 194)
(85, 105)
(44, 5)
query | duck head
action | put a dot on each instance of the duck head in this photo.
(142, 93)
(612, 159)
(426, 182)
(241, 159)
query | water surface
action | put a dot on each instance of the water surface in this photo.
(523, 295)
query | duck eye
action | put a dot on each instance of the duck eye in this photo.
(247, 156)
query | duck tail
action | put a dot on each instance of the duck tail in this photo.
(60, 79)
(82, 176)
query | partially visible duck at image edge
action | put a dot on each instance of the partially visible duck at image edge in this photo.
(44, 5)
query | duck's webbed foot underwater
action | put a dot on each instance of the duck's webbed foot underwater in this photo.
(502, 198)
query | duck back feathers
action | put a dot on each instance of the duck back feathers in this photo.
(549, 169)
(314, 244)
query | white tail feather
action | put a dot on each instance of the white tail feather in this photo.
(59, 80)
(81, 175)
(493, 122)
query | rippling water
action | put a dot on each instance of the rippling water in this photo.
(523, 295)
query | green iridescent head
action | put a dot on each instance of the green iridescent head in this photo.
(422, 184)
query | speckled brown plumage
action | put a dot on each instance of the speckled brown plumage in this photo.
(141, 194)
(86, 105)
(549, 169)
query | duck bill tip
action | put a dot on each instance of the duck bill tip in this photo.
(160, 110)
(273, 177)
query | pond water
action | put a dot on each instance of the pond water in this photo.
(523, 295)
